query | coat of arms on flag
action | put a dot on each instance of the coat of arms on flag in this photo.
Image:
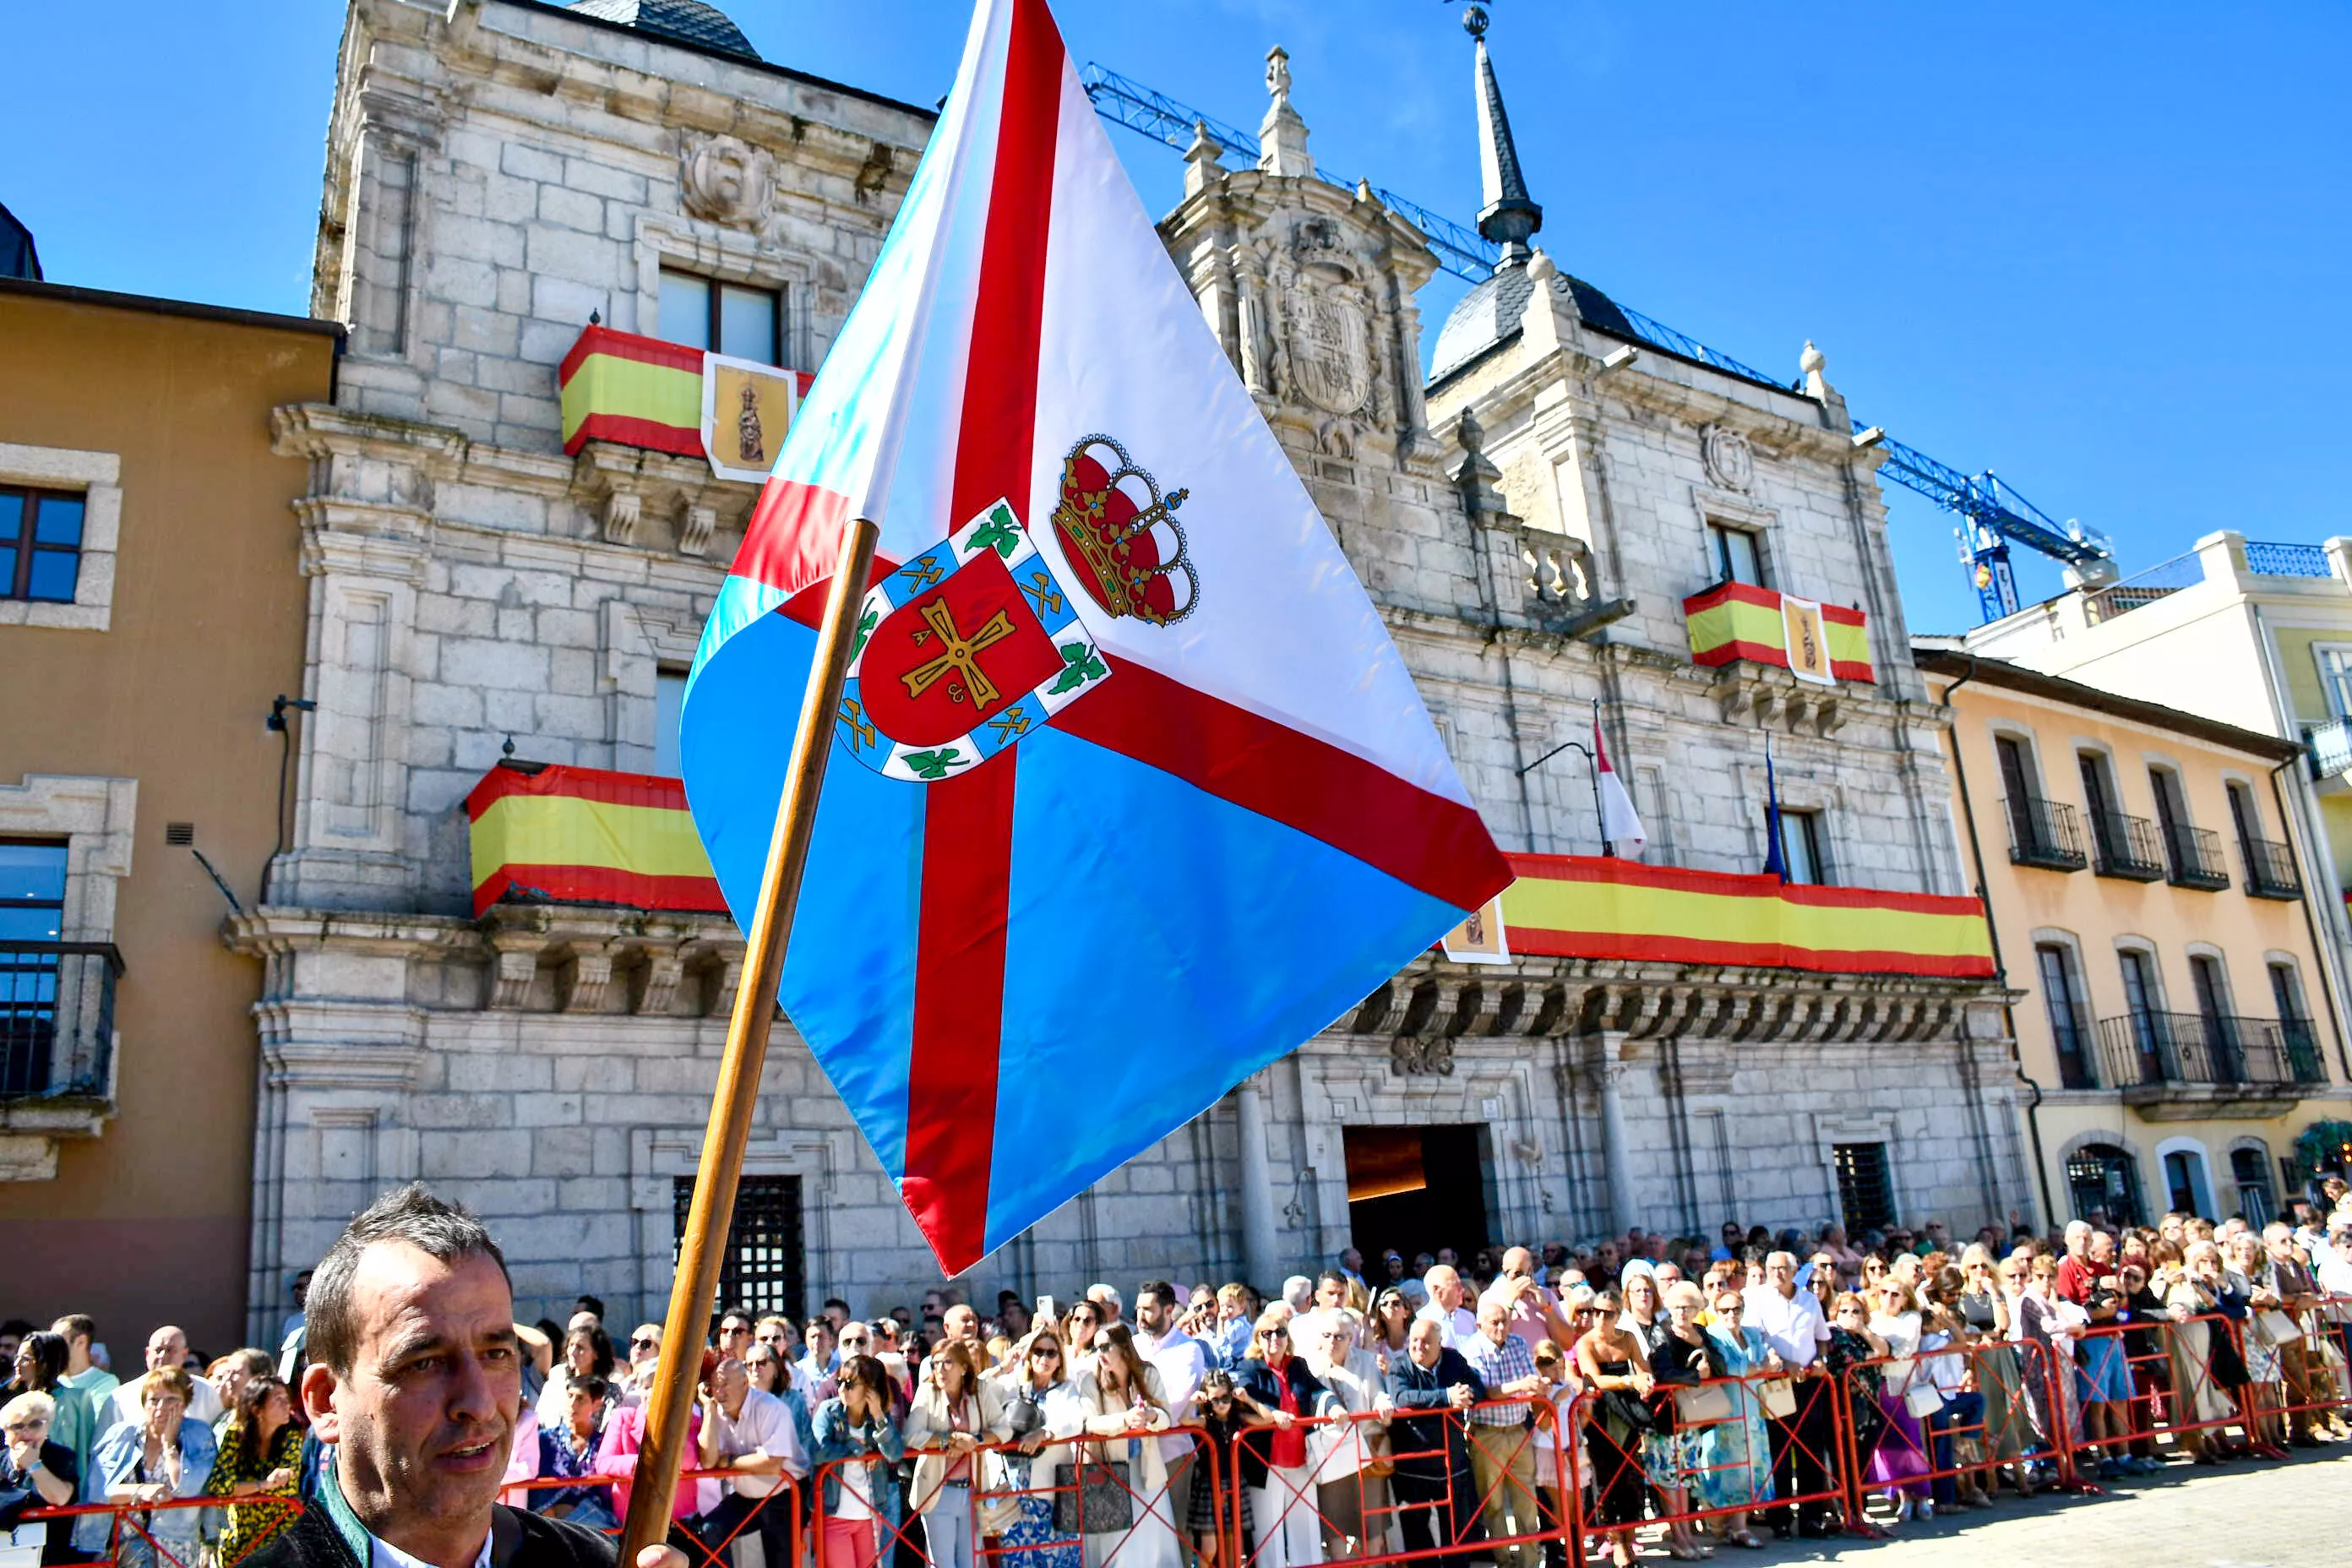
(1092, 705)
(961, 651)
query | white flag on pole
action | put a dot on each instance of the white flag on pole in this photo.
(1621, 825)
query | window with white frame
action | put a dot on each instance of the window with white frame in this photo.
(2335, 660)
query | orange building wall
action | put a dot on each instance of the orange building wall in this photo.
(148, 1223)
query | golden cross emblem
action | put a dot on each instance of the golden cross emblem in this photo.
(959, 655)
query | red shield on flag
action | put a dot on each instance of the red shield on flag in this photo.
(954, 655)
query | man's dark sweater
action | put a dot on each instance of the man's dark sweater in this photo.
(329, 1536)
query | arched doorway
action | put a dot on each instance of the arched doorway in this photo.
(2104, 1182)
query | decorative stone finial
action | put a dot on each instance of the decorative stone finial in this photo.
(1814, 363)
(1541, 268)
(1469, 432)
(1474, 21)
(1277, 74)
(1201, 169)
(1282, 135)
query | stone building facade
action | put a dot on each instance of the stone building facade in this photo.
(500, 174)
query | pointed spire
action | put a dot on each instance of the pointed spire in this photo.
(1508, 215)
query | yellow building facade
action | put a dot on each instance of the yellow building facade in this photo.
(153, 604)
(2153, 913)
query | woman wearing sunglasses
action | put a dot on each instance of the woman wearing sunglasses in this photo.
(1279, 1381)
(1041, 1403)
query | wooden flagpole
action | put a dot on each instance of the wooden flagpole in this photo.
(705, 1241)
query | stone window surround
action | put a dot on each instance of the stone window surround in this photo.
(2127, 942)
(2229, 1169)
(2184, 1143)
(2108, 1138)
(640, 644)
(2222, 961)
(2036, 774)
(98, 476)
(730, 256)
(657, 1155)
(2255, 825)
(1733, 509)
(1859, 1127)
(2155, 762)
(94, 815)
(2085, 746)
(2058, 936)
(1801, 791)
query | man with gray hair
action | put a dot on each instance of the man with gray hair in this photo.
(1108, 1302)
(1792, 1324)
(415, 1379)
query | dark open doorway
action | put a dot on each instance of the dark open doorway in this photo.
(1416, 1189)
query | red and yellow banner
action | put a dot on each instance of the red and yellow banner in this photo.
(1740, 620)
(561, 834)
(640, 392)
(1577, 906)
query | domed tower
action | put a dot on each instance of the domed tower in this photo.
(680, 21)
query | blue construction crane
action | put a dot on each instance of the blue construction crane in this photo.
(1993, 515)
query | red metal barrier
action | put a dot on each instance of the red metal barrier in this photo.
(1720, 1463)
(1004, 1516)
(1427, 1497)
(1956, 1415)
(130, 1526)
(781, 1506)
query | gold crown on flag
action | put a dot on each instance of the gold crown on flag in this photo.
(1112, 517)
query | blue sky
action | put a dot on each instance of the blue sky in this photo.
(2099, 248)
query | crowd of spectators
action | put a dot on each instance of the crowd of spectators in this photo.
(1708, 1389)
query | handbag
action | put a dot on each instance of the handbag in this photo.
(1923, 1400)
(1098, 1503)
(1709, 1401)
(1780, 1397)
(2276, 1328)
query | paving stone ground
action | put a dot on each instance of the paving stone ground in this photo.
(2290, 1515)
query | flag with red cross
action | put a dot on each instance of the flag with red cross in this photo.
(1145, 796)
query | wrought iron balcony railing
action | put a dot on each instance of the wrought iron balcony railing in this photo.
(2126, 846)
(2328, 748)
(2269, 870)
(56, 1018)
(2044, 833)
(2157, 1049)
(2193, 855)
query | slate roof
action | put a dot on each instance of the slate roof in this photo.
(686, 22)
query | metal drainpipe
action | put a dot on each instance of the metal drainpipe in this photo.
(2001, 969)
(2310, 920)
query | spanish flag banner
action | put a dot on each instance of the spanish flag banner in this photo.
(556, 835)
(1740, 620)
(1575, 906)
